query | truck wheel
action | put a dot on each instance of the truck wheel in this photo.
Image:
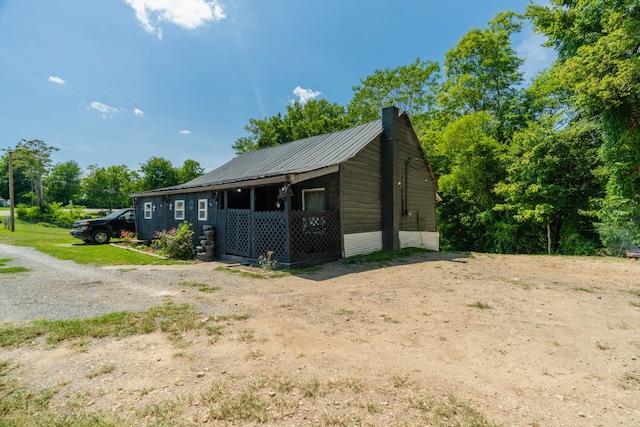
(100, 237)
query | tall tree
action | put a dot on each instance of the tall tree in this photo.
(472, 129)
(549, 182)
(158, 172)
(472, 163)
(411, 88)
(63, 182)
(21, 186)
(599, 62)
(109, 187)
(34, 158)
(190, 169)
(482, 73)
(315, 117)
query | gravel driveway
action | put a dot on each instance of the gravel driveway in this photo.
(56, 289)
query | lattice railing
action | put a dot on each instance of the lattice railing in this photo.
(302, 236)
(314, 236)
(270, 233)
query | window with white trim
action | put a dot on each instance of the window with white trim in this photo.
(148, 210)
(202, 209)
(178, 209)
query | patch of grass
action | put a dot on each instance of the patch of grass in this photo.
(344, 312)
(11, 270)
(389, 319)
(524, 285)
(202, 287)
(631, 381)
(253, 354)
(583, 289)
(635, 303)
(451, 409)
(634, 292)
(400, 380)
(305, 271)
(246, 335)
(14, 270)
(371, 407)
(57, 242)
(169, 318)
(247, 406)
(481, 305)
(383, 258)
(254, 273)
(227, 317)
(106, 369)
(311, 388)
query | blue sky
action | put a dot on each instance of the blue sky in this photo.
(119, 81)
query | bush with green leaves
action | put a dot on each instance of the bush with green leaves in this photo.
(53, 213)
(175, 243)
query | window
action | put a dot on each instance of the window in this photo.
(148, 210)
(202, 209)
(178, 210)
(313, 199)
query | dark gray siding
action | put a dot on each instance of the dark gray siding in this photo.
(163, 213)
(418, 189)
(331, 191)
(361, 191)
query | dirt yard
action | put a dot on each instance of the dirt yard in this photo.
(523, 340)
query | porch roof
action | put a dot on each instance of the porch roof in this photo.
(313, 156)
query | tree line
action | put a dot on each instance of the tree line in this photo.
(38, 182)
(546, 166)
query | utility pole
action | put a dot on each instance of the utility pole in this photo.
(11, 198)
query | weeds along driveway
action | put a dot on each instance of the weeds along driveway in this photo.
(55, 289)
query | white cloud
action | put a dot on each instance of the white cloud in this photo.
(537, 57)
(106, 110)
(138, 112)
(305, 95)
(188, 14)
(184, 131)
(55, 79)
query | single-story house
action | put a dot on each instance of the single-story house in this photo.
(355, 191)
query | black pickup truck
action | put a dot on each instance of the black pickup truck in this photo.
(100, 230)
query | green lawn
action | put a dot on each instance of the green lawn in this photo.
(57, 242)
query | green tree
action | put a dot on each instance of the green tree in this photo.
(479, 107)
(599, 62)
(21, 186)
(63, 182)
(34, 159)
(550, 181)
(190, 170)
(411, 88)
(472, 163)
(315, 117)
(158, 172)
(482, 73)
(109, 187)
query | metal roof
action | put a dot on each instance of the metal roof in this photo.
(304, 155)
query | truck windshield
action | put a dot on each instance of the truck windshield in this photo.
(116, 214)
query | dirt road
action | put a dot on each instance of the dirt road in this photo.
(525, 340)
